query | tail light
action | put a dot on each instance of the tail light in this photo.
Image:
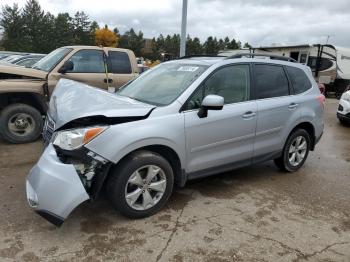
(322, 100)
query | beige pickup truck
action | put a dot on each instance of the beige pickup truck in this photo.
(24, 92)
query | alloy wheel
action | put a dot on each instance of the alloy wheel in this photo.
(297, 150)
(145, 187)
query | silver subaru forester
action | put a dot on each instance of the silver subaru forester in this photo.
(181, 120)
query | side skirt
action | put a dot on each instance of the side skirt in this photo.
(232, 166)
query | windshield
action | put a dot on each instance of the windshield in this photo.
(162, 85)
(48, 62)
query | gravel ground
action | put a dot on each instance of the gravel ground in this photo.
(251, 214)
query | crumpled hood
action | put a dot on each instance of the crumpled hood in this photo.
(74, 100)
(23, 71)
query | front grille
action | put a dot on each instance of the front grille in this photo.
(49, 128)
(340, 108)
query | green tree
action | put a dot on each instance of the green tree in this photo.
(132, 41)
(234, 45)
(211, 46)
(12, 24)
(193, 46)
(82, 27)
(247, 45)
(34, 26)
(64, 29)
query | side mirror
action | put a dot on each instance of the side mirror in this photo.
(67, 66)
(210, 102)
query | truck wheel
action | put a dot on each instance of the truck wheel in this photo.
(141, 184)
(294, 152)
(20, 123)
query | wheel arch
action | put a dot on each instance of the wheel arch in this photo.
(310, 129)
(165, 151)
(29, 98)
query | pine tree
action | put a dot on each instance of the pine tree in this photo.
(13, 28)
(35, 24)
(82, 25)
(64, 30)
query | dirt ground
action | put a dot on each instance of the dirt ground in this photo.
(251, 214)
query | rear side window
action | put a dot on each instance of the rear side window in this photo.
(270, 81)
(119, 62)
(299, 80)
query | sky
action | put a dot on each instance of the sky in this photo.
(259, 22)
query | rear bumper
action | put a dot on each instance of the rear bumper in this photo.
(53, 188)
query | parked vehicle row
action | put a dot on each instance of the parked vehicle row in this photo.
(25, 92)
(179, 121)
(20, 59)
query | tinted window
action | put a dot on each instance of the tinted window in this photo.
(88, 61)
(232, 83)
(271, 81)
(299, 80)
(119, 62)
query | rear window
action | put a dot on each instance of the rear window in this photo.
(299, 80)
(271, 81)
(119, 62)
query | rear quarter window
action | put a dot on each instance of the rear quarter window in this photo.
(299, 79)
(119, 62)
(270, 81)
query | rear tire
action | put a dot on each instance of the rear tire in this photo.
(295, 151)
(20, 123)
(131, 189)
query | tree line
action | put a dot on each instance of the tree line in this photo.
(31, 29)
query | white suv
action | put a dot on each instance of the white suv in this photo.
(343, 113)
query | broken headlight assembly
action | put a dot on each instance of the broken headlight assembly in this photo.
(76, 138)
(70, 150)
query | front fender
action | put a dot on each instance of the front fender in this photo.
(120, 140)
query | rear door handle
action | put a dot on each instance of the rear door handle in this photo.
(109, 80)
(293, 106)
(248, 115)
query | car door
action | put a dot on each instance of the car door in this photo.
(275, 109)
(224, 137)
(88, 68)
(119, 68)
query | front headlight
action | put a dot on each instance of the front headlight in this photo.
(346, 96)
(75, 138)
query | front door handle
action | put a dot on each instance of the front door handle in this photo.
(292, 106)
(248, 115)
(108, 80)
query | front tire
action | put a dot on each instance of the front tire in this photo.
(295, 151)
(20, 123)
(141, 184)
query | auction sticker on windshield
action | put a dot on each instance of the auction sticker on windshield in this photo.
(188, 68)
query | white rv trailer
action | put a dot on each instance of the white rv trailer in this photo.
(330, 64)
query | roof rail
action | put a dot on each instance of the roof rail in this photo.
(203, 55)
(252, 55)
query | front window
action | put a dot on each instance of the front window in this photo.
(87, 61)
(51, 60)
(162, 85)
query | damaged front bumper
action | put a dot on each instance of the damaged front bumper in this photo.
(54, 188)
